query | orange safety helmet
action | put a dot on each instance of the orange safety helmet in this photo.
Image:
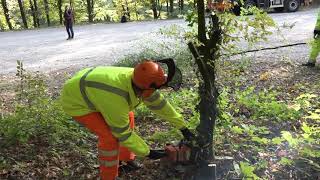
(149, 76)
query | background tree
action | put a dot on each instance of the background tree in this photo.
(33, 13)
(6, 13)
(23, 15)
(171, 6)
(46, 7)
(36, 12)
(50, 12)
(59, 4)
(90, 6)
(181, 5)
(154, 9)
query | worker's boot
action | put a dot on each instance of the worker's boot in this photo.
(309, 64)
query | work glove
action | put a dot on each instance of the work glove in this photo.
(187, 134)
(157, 154)
(316, 33)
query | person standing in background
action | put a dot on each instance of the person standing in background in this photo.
(68, 21)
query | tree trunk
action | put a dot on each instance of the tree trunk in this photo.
(46, 7)
(59, 3)
(171, 6)
(6, 13)
(167, 4)
(90, 10)
(2, 28)
(36, 12)
(136, 10)
(33, 14)
(205, 57)
(159, 8)
(23, 15)
(181, 5)
(154, 9)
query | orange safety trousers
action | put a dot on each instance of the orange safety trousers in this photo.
(110, 152)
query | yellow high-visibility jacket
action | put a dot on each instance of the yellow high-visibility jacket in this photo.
(318, 22)
(108, 90)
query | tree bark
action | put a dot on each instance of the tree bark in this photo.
(33, 14)
(36, 12)
(23, 14)
(171, 6)
(181, 5)
(159, 8)
(136, 10)
(167, 5)
(205, 57)
(59, 3)
(46, 7)
(154, 9)
(90, 10)
(6, 13)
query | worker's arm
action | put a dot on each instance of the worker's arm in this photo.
(157, 104)
(115, 111)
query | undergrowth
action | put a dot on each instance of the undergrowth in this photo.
(272, 132)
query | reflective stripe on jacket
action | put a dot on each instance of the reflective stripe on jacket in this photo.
(108, 90)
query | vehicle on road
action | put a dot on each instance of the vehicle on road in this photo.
(276, 5)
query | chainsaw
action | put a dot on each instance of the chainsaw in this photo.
(185, 155)
(177, 153)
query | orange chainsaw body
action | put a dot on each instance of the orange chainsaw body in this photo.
(177, 153)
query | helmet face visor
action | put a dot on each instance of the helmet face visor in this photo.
(174, 77)
(176, 80)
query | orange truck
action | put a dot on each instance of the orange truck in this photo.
(276, 5)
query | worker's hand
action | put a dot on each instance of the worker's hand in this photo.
(187, 134)
(316, 33)
(157, 154)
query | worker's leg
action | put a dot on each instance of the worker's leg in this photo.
(125, 153)
(314, 51)
(108, 146)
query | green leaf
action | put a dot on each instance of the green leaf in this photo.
(285, 161)
(247, 170)
(287, 136)
(306, 128)
(314, 116)
(306, 96)
(277, 140)
(260, 140)
(237, 130)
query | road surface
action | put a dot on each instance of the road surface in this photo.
(47, 49)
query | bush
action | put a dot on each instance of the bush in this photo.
(36, 117)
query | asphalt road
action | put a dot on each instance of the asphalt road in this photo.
(48, 50)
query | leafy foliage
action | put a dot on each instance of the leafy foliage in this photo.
(103, 11)
(37, 117)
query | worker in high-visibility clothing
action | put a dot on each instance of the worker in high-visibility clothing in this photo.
(102, 99)
(315, 45)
